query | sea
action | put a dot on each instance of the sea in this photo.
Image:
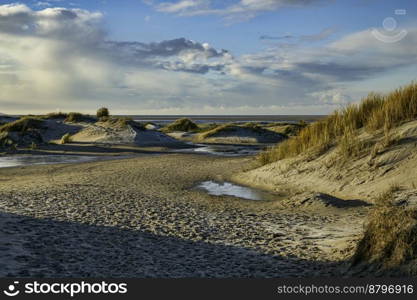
(164, 119)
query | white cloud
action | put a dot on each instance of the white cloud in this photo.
(42, 3)
(58, 57)
(61, 57)
(239, 10)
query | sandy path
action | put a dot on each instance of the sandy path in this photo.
(141, 218)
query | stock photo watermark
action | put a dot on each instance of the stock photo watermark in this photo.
(391, 33)
(70, 289)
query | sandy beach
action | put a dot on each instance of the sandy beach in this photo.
(143, 217)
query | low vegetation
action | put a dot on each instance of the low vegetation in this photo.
(66, 138)
(71, 117)
(389, 243)
(218, 129)
(22, 125)
(286, 128)
(120, 123)
(5, 140)
(75, 117)
(55, 115)
(341, 128)
(22, 132)
(250, 129)
(183, 124)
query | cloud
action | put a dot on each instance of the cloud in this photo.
(239, 10)
(322, 35)
(42, 3)
(333, 97)
(63, 58)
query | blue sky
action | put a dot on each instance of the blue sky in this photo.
(202, 56)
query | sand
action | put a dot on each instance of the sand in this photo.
(129, 135)
(363, 177)
(142, 217)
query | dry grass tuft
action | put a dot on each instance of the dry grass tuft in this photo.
(386, 198)
(390, 240)
(66, 138)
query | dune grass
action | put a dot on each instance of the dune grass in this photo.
(74, 117)
(55, 115)
(375, 112)
(218, 129)
(390, 238)
(120, 123)
(22, 125)
(66, 138)
(183, 124)
(286, 128)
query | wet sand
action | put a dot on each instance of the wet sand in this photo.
(142, 217)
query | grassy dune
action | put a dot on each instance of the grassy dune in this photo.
(341, 128)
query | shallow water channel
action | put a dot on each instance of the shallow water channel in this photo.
(28, 160)
(230, 189)
(223, 150)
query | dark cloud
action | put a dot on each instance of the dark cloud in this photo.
(342, 72)
(270, 37)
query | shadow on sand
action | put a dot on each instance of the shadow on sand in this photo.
(33, 247)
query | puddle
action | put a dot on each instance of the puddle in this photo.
(29, 160)
(229, 189)
(223, 150)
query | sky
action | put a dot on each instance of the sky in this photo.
(179, 57)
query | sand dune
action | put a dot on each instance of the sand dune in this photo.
(358, 178)
(128, 135)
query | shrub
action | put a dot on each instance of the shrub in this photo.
(102, 112)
